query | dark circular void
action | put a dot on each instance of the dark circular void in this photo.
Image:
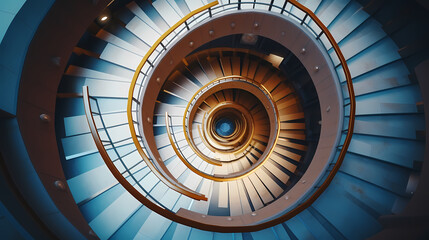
(225, 127)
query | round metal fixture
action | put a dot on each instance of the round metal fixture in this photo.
(45, 117)
(60, 185)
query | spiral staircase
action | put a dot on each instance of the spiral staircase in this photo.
(183, 119)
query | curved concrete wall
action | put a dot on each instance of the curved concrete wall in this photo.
(15, 39)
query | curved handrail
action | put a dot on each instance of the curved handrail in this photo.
(235, 151)
(190, 166)
(232, 140)
(315, 194)
(204, 140)
(265, 91)
(235, 140)
(99, 143)
(347, 139)
(160, 171)
(109, 163)
(244, 152)
(235, 176)
(349, 135)
(155, 165)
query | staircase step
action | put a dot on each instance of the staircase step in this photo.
(398, 126)
(256, 201)
(375, 172)
(77, 146)
(396, 151)
(349, 19)
(132, 225)
(393, 101)
(81, 165)
(137, 11)
(153, 228)
(281, 232)
(105, 224)
(122, 37)
(264, 234)
(379, 54)
(389, 76)
(121, 57)
(361, 38)
(194, 4)
(167, 12)
(298, 230)
(100, 179)
(153, 15)
(328, 11)
(92, 208)
(143, 31)
(183, 6)
(318, 225)
(311, 4)
(346, 222)
(197, 234)
(380, 201)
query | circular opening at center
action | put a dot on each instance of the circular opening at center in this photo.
(225, 127)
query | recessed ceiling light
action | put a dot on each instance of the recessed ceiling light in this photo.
(104, 18)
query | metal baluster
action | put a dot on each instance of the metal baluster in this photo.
(137, 101)
(150, 63)
(271, 5)
(283, 8)
(162, 45)
(320, 34)
(303, 20)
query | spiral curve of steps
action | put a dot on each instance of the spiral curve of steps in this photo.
(373, 180)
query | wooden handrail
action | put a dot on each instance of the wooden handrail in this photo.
(247, 172)
(230, 160)
(235, 139)
(190, 142)
(206, 142)
(175, 185)
(184, 160)
(165, 176)
(196, 223)
(349, 135)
